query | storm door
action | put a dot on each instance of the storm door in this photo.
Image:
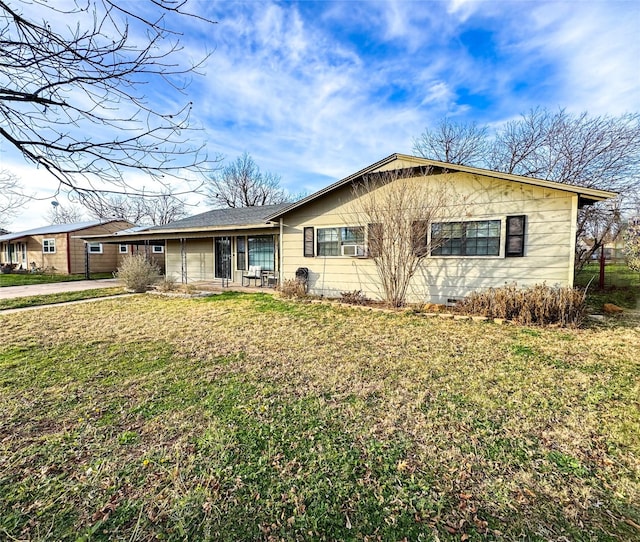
(223, 257)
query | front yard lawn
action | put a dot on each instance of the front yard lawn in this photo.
(62, 297)
(244, 417)
(21, 279)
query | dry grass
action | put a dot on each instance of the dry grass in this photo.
(248, 417)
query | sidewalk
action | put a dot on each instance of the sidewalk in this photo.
(10, 292)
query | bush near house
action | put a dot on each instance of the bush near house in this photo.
(138, 273)
(535, 305)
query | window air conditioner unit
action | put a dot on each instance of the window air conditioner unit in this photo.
(353, 250)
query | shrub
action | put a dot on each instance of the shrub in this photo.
(537, 305)
(167, 284)
(138, 273)
(354, 298)
(292, 288)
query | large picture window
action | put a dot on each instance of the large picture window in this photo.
(262, 252)
(331, 240)
(478, 238)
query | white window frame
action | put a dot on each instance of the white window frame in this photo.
(123, 249)
(342, 241)
(157, 249)
(92, 246)
(49, 245)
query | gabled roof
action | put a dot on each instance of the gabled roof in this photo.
(55, 228)
(587, 195)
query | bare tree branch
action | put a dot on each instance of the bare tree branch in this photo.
(73, 94)
(454, 143)
(398, 208)
(594, 152)
(154, 211)
(12, 197)
(65, 214)
(242, 184)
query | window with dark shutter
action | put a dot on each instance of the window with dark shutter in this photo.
(308, 242)
(516, 228)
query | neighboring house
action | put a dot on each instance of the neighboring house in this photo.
(59, 247)
(153, 250)
(322, 234)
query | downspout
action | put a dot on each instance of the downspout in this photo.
(280, 255)
(69, 254)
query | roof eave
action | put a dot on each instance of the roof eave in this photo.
(590, 195)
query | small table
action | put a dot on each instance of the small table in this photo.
(269, 279)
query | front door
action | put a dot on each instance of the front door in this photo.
(223, 257)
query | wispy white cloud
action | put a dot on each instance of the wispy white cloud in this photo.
(316, 90)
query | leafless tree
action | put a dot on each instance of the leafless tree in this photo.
(242, 184)
(594, 152)
(12, 197)
(155, 211)
(76, 86)
(66, 214)
(453, 142)
(398, 210)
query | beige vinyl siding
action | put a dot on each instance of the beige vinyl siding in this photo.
(549, 241)
(201, 254)
(198, 259)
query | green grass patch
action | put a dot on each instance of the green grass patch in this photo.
(246, 417)
(62, 297)
(22, 279)
(622, 285)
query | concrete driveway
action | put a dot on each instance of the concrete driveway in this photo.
(9, 292)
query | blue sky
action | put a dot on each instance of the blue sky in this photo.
(315, 91)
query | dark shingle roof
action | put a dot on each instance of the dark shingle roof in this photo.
(239, 216)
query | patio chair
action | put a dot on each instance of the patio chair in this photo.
(254, 273)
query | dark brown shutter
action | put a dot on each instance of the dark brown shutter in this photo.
(308, 242)
(374, 235)
(516, 229)
(419, 237)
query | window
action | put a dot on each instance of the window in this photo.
(94, 248)
(308, 242)
(330, 240)
(49, 246)
(241, 256)
(262, 252)
(479, 238)
(157, 249)
(123, 249)
(514, 246)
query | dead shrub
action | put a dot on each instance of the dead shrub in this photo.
(138, 273)
(537, 305)
(354, 298)
(167, 284)
(292, 288)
